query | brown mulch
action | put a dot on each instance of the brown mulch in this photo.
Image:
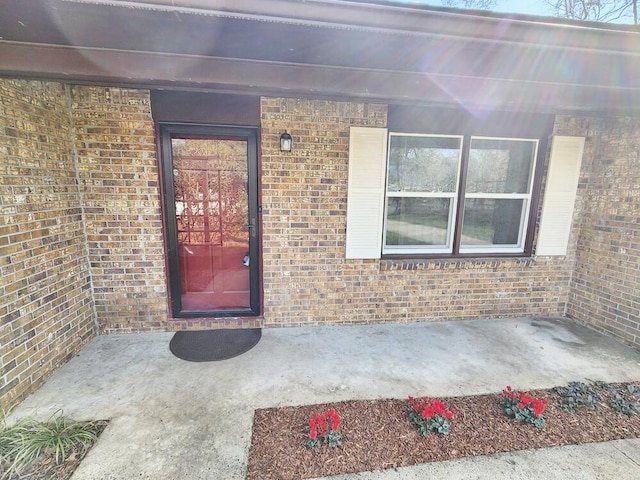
(377, 435)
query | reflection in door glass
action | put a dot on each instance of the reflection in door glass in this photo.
(211, 204)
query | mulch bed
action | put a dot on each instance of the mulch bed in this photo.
(377, 435)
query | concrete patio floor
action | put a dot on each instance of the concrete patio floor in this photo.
(172, 419)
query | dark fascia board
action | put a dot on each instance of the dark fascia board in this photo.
(529, 87)
(408, 20)
(270, 78)
(482, 48)
(262, 38)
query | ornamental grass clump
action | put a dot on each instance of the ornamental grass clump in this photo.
(24, 442)
(430, 415)
(523, 407)
(324, 428)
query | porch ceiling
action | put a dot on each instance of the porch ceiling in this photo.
(379, 52)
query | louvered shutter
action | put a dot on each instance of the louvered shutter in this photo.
(560, 195)
(365, 201)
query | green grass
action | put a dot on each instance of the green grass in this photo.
(436, 221)
(480, 231)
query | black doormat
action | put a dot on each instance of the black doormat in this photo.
(212, 345)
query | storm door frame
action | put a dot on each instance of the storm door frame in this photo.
(250, 134)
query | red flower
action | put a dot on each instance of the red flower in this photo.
(509, 393)
(539, 406)
(520, 405)
(334, 417)
(319, 426)
(526, 398)
(323, 427)
(335, 423)
(318, 422)
(439, 407)
(449, 414)
(428, 412)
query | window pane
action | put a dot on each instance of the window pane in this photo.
(492, 221)
(500, 166)
(418, 221)
(423, 164)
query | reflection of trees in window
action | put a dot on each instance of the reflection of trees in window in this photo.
(500, 168)
(423, 164)
(210, 190)
(421, 185)
(487, 171)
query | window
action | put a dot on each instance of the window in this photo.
(457, 183)
(455, 194)
(422, 186)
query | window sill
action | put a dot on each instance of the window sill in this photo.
(460, 263)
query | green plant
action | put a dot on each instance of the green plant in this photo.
(9, 436)
(430, 415)
(6, 441)
(634, 390)
(578, 395)
(323, 428)
(26, 440)
(523, 407)
(618, 398)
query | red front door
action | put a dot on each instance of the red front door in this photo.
(213, 223)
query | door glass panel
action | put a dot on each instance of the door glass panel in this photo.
(211, 205)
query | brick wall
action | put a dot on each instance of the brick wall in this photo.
(46, 307)
(118, 174)
(81, 234)
(605, 287)
(306, 277)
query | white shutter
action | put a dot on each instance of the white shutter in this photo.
(365, 200)
(560, 195)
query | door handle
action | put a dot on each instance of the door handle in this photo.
(252, 228)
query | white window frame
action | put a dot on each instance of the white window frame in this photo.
(422, 249)
(368, 152)
(460, 192)
(527, 197)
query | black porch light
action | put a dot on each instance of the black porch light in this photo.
(286, 142)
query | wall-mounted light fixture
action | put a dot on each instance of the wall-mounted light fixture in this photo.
(286, 142)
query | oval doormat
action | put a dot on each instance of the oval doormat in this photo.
(213, 345)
